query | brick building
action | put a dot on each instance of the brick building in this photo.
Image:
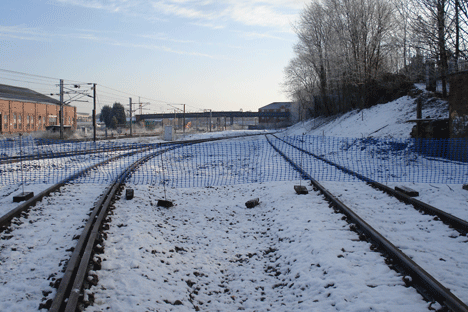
(23, 110)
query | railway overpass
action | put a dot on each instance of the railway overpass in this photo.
(228, 114)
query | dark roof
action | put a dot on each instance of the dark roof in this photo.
(25, 95)
(276, 105)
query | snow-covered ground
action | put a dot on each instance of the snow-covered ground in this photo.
(388, 120)
(210, 253)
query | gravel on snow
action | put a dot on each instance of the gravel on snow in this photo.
(210, 253)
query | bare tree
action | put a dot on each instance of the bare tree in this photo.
(403, 15)
(433, 22)
(314, 36)
(300, 82)
(461, 30)
(344, 47)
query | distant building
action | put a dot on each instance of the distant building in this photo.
(83, 117)
(23, 110)
(275, 107)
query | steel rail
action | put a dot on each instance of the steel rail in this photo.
(16, 212)
(49, 155)
(70, 286)
(455, 222)
(5, 219)
(427, 285)
(69, 291)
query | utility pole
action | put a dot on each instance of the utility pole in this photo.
(130, 116)
(61, 109)
(141, 106)
(94, 112)
(457, 39)
(184, 119)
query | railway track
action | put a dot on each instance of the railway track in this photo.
(21, 208)
(453, 221)
(90, 239)
(426, 284)
(47, 151)
(33, 239)
(211, 253)
(70, 292)
(51, 154)
(67, 294)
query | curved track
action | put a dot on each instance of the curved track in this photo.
(21, 208)
(427, 285)
(85, 231)
(453, 221)
(90, 239)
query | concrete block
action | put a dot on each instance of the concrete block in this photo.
(23, 196)
(165, 203)
(129, 193)
(406, 190)
(301, 189)
(252, 203)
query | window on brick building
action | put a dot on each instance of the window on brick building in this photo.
(15, 125)
(5, 124)
(20, 125)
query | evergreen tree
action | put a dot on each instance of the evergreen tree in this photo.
(113, 123)
(118, 111)
(106, 115)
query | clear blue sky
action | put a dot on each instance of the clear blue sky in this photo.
(220, 55)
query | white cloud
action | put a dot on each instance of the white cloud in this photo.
(191, 12)
(209, 25)
(36, 34)
(23, 33)
(276, 14)
(164, 37)
(109, 5)
(260, 15)
(257, 35)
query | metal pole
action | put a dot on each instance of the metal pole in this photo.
(184, 119)
(210, 120)
(61, 109)
(94, 112)
(21, 160)
(130, 116)
(141, 106)
(457, 34)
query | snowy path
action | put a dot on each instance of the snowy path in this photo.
(210, 253)
(438, 249)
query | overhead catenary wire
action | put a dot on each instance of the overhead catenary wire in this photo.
(52, 82)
